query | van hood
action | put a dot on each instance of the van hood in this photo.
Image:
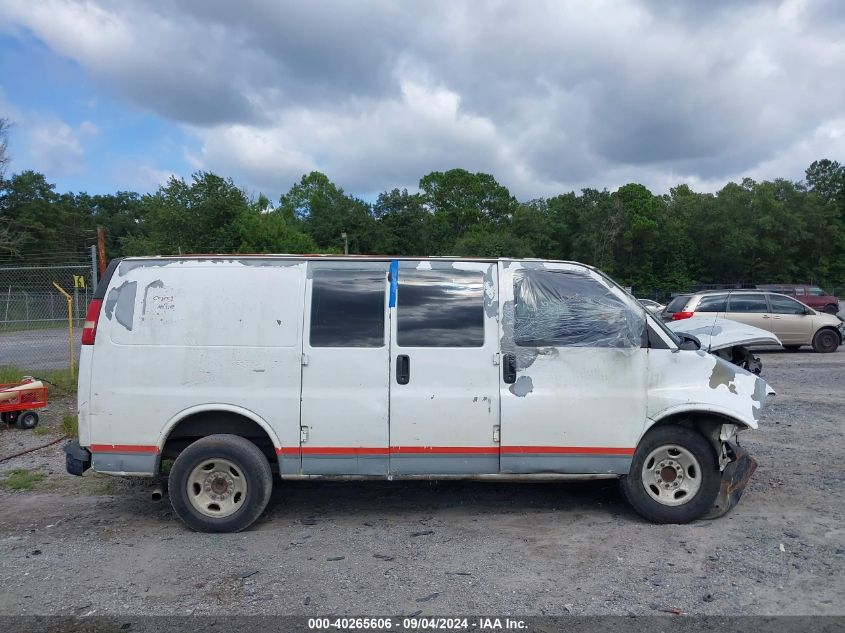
(716, 333)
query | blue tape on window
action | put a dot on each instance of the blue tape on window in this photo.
(394, 282)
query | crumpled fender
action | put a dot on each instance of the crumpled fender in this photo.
(735, 477)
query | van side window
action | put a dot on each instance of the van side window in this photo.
(347, 308)
(717, 303)
(440, 308)
(568, 309)
(748, 303)
(800, 292)
(817, 292)
(784, 305)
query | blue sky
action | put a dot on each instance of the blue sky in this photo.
(548, 97)
(110, 145)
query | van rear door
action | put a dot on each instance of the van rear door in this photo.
(344, 414)
(444, 402)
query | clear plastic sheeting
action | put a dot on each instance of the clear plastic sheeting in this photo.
(568, 309)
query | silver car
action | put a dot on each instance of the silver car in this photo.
(794, 323)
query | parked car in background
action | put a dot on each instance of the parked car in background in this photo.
(793, 322)
(652, 306)
(812, 296)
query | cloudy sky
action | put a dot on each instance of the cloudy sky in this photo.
(547, 96)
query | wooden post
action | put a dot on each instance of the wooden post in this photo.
(101, 250)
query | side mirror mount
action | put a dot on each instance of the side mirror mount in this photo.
(688, 342)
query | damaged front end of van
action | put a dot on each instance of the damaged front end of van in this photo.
(720, 400)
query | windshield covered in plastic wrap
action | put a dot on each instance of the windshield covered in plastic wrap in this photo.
(556, 308)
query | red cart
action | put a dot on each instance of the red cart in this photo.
(19, 400)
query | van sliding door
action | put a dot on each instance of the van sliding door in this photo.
(444, 399)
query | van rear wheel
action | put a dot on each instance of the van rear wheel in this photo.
(674, 476)
(220, 483)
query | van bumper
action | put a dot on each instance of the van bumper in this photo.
(77, 459)
(734, 479)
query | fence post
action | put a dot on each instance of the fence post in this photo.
(69, 327)
(8, 298)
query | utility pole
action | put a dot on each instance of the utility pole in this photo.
(345, 243)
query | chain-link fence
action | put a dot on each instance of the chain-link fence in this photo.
(42, 310)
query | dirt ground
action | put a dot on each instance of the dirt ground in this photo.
(98, 545)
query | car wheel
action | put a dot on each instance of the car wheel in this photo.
(220, 483)
(831, 308)
(826, 341)
(674, 476)
(27, 420)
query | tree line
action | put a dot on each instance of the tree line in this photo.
(752, 232)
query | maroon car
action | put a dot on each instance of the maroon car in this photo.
(812, 296)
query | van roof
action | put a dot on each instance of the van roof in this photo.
(231, 256)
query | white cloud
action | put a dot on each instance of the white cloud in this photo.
(546, 96)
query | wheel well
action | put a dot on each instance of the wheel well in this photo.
(708, 424)
(832, 329)
(199, 425)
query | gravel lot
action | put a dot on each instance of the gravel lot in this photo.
(98, 545)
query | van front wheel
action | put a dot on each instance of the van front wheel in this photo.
(674, 477)
(220, 483)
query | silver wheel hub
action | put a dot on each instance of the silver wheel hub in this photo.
(671, 475)
(217, 488)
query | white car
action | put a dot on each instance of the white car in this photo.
(239, 367)
(652, 306)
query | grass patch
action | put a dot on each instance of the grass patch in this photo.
(20, 479)
(63, 383)
(42, 430)
(69, 425)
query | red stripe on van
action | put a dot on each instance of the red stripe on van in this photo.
(343, 450)
(416, 450)
(122, 448)
(576, 450)
(484, 450)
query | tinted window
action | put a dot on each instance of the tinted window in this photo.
(717, 303)
(799, 291)
(677, 304)
(784, 305)
(568, 309)
(817, 292)
(748, 303)
(440, 308)
(347, 308)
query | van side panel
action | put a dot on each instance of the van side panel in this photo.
(184, 335)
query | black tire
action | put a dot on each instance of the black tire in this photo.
(250, 463)
(831, 308)
(826, 341)
(791, 348)
(697, 505)
(27, 420)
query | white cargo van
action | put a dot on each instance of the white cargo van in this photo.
(239, 367)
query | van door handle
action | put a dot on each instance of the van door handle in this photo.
(403, 369)
(509, 368)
